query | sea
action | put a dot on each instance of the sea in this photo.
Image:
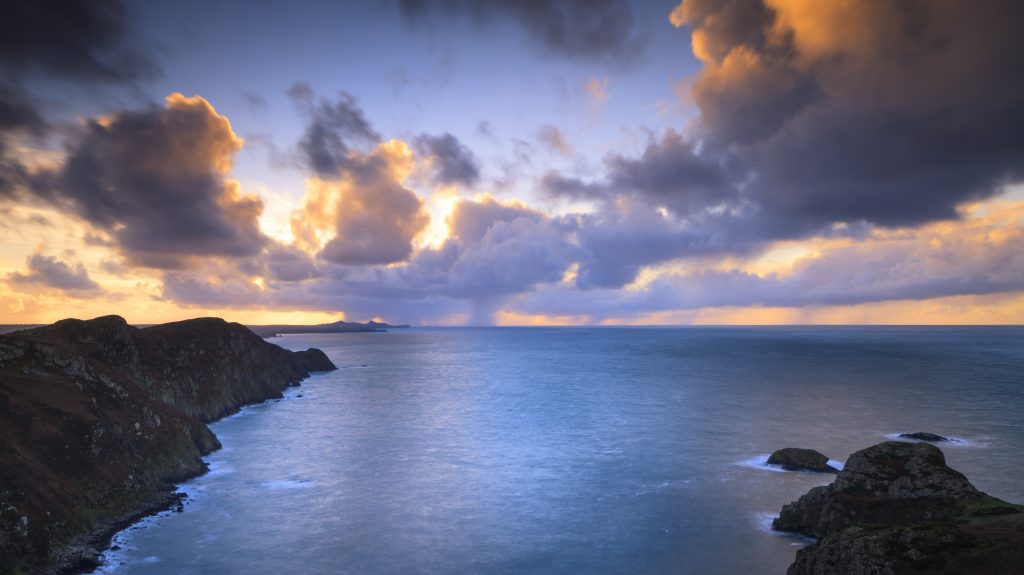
(573, 450)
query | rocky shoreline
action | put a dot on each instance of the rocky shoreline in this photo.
(99, 420)
(896, 508)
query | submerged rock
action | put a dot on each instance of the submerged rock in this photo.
(897, 507)
(924, 436)
(799, 459)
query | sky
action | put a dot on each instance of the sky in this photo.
(515, 162)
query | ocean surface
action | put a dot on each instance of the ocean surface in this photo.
(573, 450)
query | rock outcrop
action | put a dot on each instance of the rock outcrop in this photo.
(924, 436)
(898, 508)
(799, 459)
(98, 419)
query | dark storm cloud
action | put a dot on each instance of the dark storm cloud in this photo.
(49, 272)
(78, 41)
(12, 173)
(891, 113)
(18, 118)
(154, 180)
(819, 118)
(600, 30)
(618, 242)
(16, 111)
(670, 173)
(451, 161)
(82, 44)
(332, 129)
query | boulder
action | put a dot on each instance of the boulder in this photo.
(799, 459)
(897, 507)
(924, 436)
(892, 482)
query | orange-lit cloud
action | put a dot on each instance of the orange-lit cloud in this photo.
(597, 88)
(366, 216)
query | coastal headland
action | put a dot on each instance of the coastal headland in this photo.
(99, 420)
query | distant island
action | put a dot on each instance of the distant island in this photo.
(99, 420)
(266, 331)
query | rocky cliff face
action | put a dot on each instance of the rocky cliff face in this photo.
(892, 482)
(98, 419)
(205, 367)
(898, 508)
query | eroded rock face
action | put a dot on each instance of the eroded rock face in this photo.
(969, 547)
(898, 508)
(206, 367)
(798, 459)
(892, 482)
(97, 418)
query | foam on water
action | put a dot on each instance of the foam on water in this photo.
(111, 560)
(289, 484)
(761, 462)
(764, 519)
(218, 468)
(661, 486)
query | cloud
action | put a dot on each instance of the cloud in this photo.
(554, 139)
(366, 216)
(595, 30)
(450, 161)
(82, 46)
(18, 118)
(625, 237)
(153, 179)
(597, 88)
(496, 250)
(891, 113)
(287, 264)
(470, 220)
(49, 272)
(507, 257)
(16, 112)
(977, 256)
(670, 173)
(331, 131)
(77, 41)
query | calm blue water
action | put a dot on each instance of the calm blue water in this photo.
(570, 450)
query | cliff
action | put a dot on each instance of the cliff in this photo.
(99, 419)
(898, 508)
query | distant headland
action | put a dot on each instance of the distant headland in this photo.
(336, 327)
